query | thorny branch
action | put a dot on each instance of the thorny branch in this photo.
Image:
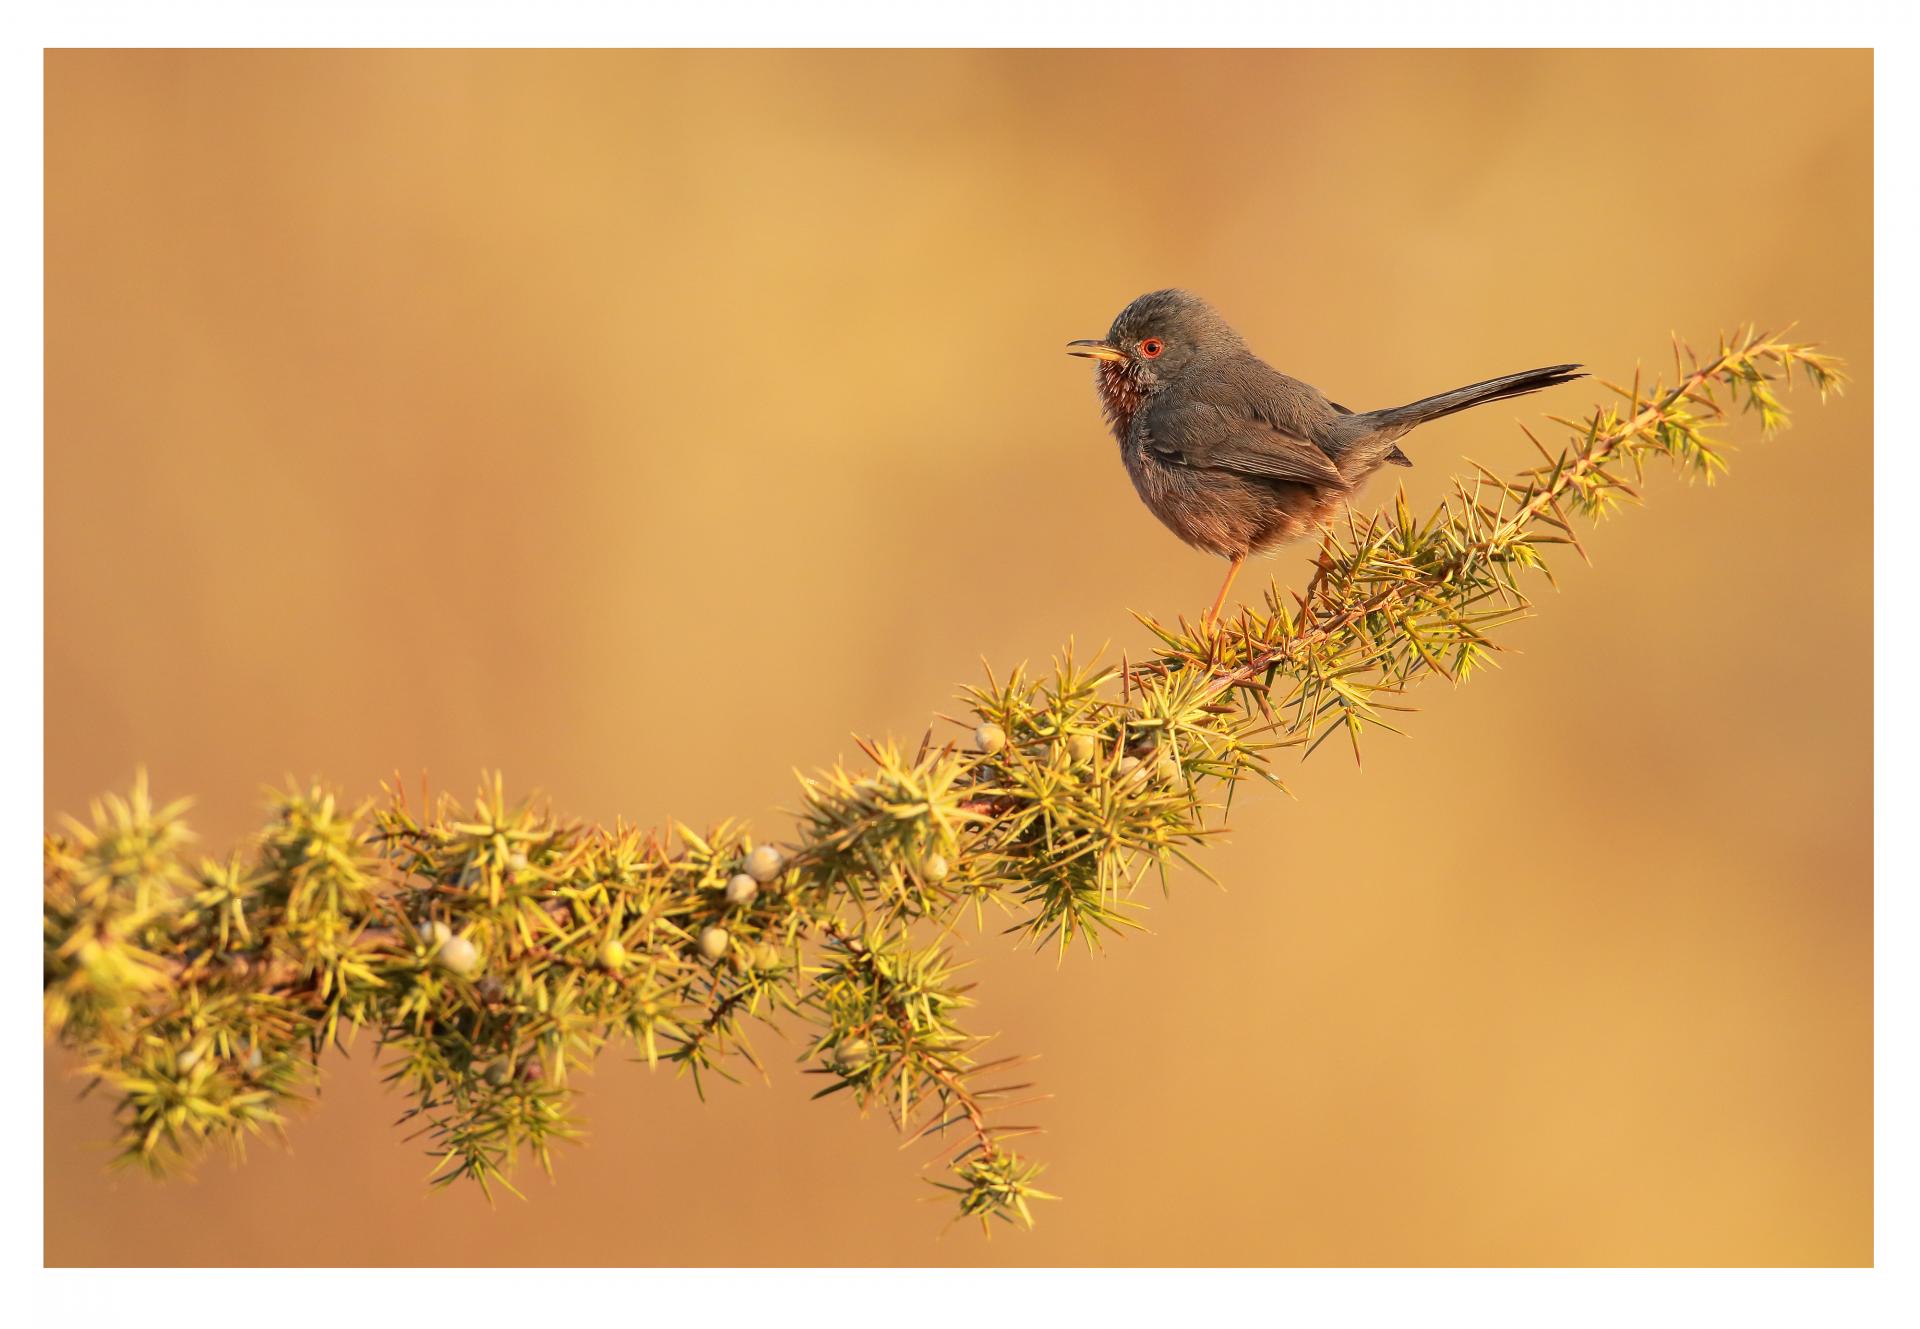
(494, 950)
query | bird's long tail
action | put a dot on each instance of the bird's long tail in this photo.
(1399, 419)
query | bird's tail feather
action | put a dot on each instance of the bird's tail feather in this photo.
(1403, 418)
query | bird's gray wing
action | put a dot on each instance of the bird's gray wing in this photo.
(1212, 438)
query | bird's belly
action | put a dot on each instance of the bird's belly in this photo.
(1225, 512)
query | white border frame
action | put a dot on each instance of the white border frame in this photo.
(1467, 1297)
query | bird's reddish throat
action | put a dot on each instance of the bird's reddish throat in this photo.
(1120, 395)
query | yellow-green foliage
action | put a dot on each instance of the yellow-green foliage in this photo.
(492, 950)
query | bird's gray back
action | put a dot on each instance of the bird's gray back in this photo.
(1249, 385)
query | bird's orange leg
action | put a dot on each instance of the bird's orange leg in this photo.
(1233, 570)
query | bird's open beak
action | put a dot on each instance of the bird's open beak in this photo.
(1096, 350)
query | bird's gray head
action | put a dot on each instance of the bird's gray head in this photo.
(1159, 335)
(1154, 340)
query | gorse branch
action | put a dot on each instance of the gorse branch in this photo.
(493, 950)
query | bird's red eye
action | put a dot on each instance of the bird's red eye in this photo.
(1152, 347)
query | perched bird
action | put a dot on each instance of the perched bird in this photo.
(1233, 455)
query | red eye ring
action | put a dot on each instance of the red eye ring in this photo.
(1151, 347)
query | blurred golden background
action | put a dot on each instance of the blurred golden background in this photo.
(643, 424)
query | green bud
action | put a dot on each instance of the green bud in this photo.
(852, 1054)
(612, 955)
(1081, 747)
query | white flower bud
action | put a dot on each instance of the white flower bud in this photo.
(1167, 769)
(457, 955)
(713, 943)
(1081, 747)
(934, 868)
(742, 889)
(990, 738)
(765, 863)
